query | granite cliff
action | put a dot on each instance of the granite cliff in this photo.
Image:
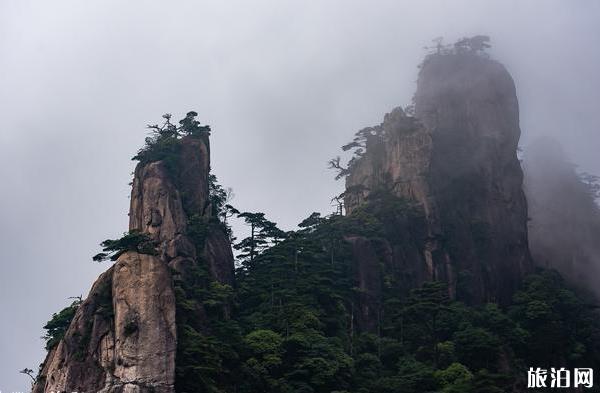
(456, 159)
(425, 284)
(123, 337)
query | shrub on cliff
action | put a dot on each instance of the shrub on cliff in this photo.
(163, 142)
(131, 241)
(57, 326)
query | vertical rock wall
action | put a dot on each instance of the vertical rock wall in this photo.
(123, 337)
(459, 163)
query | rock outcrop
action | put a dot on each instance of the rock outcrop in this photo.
(456, 158)
(81, 360)
(123, 337)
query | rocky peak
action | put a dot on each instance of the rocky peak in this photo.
(123, 337)
(456, 159)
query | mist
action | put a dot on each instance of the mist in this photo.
(282, 84)
(564, 217)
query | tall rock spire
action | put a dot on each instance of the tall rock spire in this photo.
(456, 158)
(123, 337)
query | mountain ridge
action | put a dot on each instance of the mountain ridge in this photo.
(425, 284)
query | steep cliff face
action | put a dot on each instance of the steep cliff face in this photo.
(456, 158)
(79, 362)
(123, 337)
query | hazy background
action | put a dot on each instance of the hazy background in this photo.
(282, 84)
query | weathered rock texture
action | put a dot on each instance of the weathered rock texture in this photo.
(123, 337)
(457, 160)
(81, 360)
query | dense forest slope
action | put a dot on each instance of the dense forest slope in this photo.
(425, 284)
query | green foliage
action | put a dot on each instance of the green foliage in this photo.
(364, 140)
(291, 322)
(162, 144)
(57, 326)
(370, 141)
(561, 326)
(131, 241)
(475, 44)
(201, 355)
(298, 299)
(264, 343)
(218, 298)
(263, 233)
(262, 367)
(466, 46)
(29, 372)
(221, 210)
(198, 361)
(209, 341)
(456, 378)
(477, 347)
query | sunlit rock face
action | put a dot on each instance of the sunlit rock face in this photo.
(456, 159)
(78, 363)
(123, 337)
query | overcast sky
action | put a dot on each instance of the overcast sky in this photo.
(282, 83)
